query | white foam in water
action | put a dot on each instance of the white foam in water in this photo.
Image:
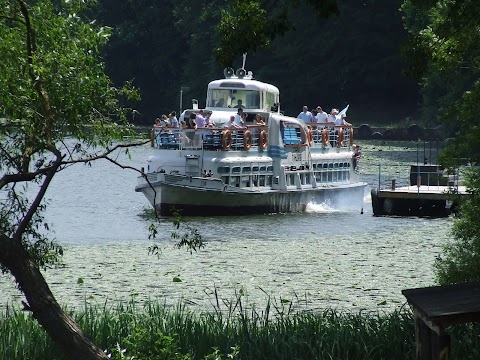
(324, 207)
(367, 198)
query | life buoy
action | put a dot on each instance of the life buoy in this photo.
(262, 140)
(325, 136)
(227, 139)
(340, 137)
(351, 136)
(309, 137)
(247, 140)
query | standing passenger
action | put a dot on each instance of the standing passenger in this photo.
(321, 115)
(200, 120)
(173, 119)
(305, 115)
(239, 117)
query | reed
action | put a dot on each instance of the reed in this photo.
(277, 332)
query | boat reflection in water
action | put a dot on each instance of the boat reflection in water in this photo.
(279, 166)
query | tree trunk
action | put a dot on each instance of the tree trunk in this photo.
(60, 327)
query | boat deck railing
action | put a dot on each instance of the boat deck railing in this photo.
(220, 139)
(412, 177)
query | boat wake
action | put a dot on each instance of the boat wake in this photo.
(324, 207)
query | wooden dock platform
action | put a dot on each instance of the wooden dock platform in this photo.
(436, 308)
(413, 200)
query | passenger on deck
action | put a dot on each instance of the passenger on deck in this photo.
(200, 120)
(239, 118)
(208, 120)
(258, 120)
(321, 115)
(338, 119)
(357, 154)
(191, 121)
(232, 124)
(158, 123)
(305, 115)
(332, 117)
(173, 120)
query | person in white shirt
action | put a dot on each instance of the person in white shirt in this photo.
(321, 115)
(173, 119)
(337, 119)
(232, 124)
(239, 118)
(305, 115)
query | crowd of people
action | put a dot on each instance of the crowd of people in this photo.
(317, 115)
(202, 119)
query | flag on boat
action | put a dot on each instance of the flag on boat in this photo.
(344, 111)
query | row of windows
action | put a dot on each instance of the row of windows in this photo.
(269, 169)
(266, 180)
(245, 169)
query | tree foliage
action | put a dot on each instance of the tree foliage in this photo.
(446, 57)
(317, 52)
(460, 259)
(59, 107)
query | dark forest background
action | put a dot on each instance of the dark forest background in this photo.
(351, 58)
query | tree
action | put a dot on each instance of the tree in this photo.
(247, 25)
(58, 107)
(445, 56)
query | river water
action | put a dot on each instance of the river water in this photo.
(318, 259)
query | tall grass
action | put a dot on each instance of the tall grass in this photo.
(276, 332)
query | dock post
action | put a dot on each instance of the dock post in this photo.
(379, 174)
(393, 184)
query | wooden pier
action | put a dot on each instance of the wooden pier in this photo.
(413, 200)
(435, 309)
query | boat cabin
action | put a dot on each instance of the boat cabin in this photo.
(242, 90)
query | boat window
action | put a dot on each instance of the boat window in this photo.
(233, 85)
(330, 166)
(255, 169)
(346, 165)
(270, 101)
(261, 180)
(263, 169)
(335, 165)
(325, 166)
(270, 168)
(229, 97)
(246, 169)
(340, 165)
(236, 170)
(223, 169)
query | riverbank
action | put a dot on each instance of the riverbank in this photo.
(277, 331)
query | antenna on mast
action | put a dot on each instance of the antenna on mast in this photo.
(244, 60)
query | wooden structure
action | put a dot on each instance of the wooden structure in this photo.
(436, 308)
(437, 201)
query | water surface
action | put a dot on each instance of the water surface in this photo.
(318, 259)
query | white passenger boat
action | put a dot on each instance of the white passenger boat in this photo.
(279, 167)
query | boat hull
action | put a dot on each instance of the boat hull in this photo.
(227, 201)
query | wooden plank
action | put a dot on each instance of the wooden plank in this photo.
(447, 305)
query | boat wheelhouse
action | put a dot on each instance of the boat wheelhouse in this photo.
(278, 167)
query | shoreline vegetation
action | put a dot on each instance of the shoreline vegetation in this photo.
(156, 331)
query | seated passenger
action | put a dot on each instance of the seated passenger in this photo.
(258, 120)
(239, 104)
(232, 124)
